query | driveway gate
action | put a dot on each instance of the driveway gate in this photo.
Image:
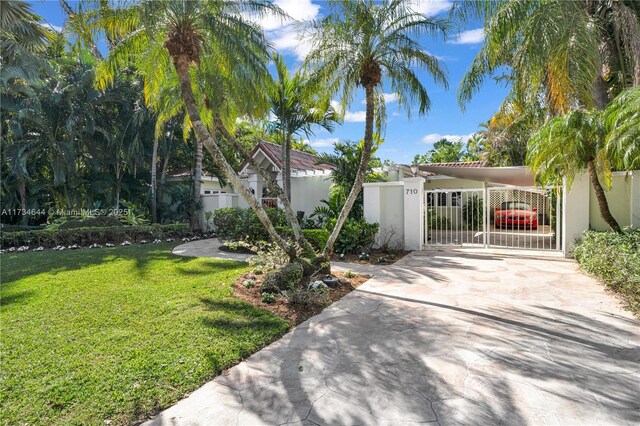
(505, 216)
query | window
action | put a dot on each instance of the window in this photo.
(431, 199)
(455, 198)
(207, 192)
(442, 199)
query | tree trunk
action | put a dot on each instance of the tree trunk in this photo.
(362, 171)
(154, 181)
(22, 189)
(602, 199)
(272, 185)
(600, 95)
(165, 164)
(197, 187)
(286, 164)
(181, 64)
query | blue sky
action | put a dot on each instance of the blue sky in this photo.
(403, 137)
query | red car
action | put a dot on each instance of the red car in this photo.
(516, 214)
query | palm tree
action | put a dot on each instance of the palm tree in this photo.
(566, 146)
(184, 33)
(360, 43)
(296, 106)
(570, 53)
(623, 125)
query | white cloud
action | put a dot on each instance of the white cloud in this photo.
(469, 37)
(55, 28)
(284, 33)
(323, 143)
(431, 7)
(435, 137)
(355, 116)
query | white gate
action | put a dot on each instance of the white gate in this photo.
(505, 217)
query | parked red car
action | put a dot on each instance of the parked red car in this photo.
(516, 214)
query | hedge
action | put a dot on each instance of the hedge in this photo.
(615, 259)
(90, 235)
(234, 223)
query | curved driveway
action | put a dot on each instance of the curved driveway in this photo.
(448, 338)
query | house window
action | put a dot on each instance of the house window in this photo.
(442, 199)
(431, 199)
(207, 192)
(455, 198)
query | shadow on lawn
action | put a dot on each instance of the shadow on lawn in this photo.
(19, 266)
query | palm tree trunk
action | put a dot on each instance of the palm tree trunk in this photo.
(22, 189)
(272, 185)
(197, 187)
(165, 164)
(360, 176)
(181, 64)
(286, 164)
(602, 199)
(154, 181)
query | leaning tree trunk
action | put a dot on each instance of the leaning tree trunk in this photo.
(602, 199)
(286, 164)
(22, 189)
(360, 176)
(154, 181)
(272, 185)
(197, 187)
(181, 64)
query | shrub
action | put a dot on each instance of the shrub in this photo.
(234, 223)
(472, 212)
(615, 259)
(283, 279)
(316, 237)
(307, 298)
(438, 222)
(356, 236)
(268, 298)
(86, 236)
(91, 222)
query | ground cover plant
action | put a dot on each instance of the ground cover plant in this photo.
(112, 335)
(615, 259)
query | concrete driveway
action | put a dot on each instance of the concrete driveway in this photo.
(443, 337)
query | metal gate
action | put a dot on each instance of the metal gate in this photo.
(505, 217)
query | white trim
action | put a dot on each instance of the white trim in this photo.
(395, 183)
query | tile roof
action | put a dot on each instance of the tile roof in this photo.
(456, 164)
(299, 160)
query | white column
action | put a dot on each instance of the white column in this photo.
(413, 213)
(634, 202)
(575, 212)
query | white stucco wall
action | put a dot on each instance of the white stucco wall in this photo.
(622, 199)
(384, 204)
(307, 191)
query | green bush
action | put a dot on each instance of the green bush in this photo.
(233, 223)
(438, 222)
(615, 259)
(91, 222)
(285, 278)
(356, 236)
(87, 236)
(316, 237)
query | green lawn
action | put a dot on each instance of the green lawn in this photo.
(117, 333)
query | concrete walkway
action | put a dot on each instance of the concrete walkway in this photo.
(448, 338)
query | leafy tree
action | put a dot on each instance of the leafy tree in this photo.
(345, 160)
(623, 124)
(296, 107)
(361, 43)
(443, 151)
(568, 145)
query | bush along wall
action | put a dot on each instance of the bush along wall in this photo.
(236, 224)
(90, 235)
(615, 259)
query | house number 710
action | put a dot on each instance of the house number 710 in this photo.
(411, 191)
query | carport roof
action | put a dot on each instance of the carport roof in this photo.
(516, 175)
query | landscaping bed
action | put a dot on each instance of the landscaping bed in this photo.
(375, 257)
(294, 313)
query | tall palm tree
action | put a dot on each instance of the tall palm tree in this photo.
(184, 33)
(362, 43)
(623, 125)
(570, 53)
(296, 106)
(571, 144)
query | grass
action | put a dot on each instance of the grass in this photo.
(115, 334)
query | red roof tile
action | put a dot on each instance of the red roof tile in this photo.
(299, 160)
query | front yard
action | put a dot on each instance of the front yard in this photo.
(108, 336)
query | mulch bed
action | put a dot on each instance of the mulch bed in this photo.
(375, 258)
(294, 314)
